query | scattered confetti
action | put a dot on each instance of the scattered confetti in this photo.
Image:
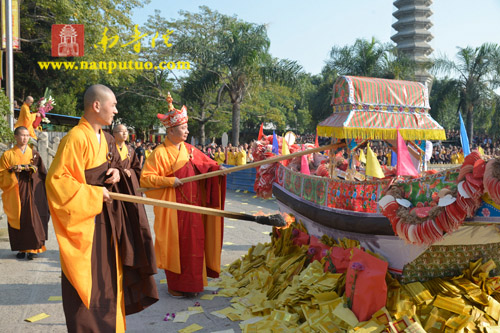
(38, 317)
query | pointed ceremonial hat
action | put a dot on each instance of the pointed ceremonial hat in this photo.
(173, 117)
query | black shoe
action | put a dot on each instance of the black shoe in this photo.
(32, 255)
(20, 255)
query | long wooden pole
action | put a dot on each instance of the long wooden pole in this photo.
(249, 165)
(180, 206)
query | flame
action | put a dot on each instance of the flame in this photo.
(289, 219)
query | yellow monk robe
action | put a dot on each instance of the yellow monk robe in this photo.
(220, 157)
(26, 119)
(241, 158)
(231, 158)
(11, 195)
(123, 151)
(158, 171)
(74, 206)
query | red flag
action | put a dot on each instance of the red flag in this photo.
(261, 132)
(404, 165)
(316, 144)
(304, 164)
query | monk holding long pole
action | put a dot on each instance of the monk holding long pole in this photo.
(188, 245)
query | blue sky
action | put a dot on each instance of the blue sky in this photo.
(305, 31)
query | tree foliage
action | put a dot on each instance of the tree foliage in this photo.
(37, 17)
(477, 71)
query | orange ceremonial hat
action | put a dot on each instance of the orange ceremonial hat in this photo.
(173, 117)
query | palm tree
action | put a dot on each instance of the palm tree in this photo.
(371, 58)
(234, 52)
(478, 70)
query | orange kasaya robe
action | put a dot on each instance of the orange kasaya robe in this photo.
(76, 207)
(26, 119)
(24, 200)
(188, 245)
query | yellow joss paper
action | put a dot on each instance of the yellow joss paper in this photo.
(233, 316)
(346, 315)
(163, 281)
(198, 309)
(452, 304)
(55, 298)
(370, 326)
(456, 323)
(226, 311)
(329, 327)
(191, 328)
(207, 297)
(182, 317)
(38, 317)
(493, 308)
(324, 297)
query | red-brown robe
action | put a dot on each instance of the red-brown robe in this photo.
(136, 243)
(91, 235)
(24, 200)
(188, 245)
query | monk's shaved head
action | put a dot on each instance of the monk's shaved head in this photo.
(96, 92)
(119, 128)
(20, 129)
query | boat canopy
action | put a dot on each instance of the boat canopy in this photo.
(372, 108)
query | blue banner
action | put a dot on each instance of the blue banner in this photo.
(276, 146)
(464, 139)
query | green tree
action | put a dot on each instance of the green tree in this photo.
(37, 17)
(477, 71)
(371, 58)
(235, 51)
(444, 99)
(6, 134)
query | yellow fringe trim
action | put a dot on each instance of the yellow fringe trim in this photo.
(381, 133)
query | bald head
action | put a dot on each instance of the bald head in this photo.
(29, 100)
(96, 93)
(119, 128)
(120, 133)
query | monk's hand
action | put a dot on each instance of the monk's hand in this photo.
(224, 169)
(113, 176)
(105, 195)
(127, 172)
(177, 182)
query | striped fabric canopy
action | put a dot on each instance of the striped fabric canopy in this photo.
(371, 108)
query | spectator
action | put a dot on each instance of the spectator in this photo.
(139, 151)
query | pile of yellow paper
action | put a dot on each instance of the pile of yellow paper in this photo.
(275, 288)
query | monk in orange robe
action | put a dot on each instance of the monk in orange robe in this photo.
(87, 222)
(26, 118)
(188, 245)
(22, 180)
